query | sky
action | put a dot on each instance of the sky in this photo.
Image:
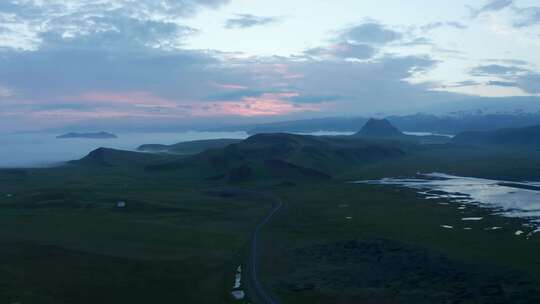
(147, 63)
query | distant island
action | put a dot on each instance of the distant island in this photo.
(98, 135)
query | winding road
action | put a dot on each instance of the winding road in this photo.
(260, 295)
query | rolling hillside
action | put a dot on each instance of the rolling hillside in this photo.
(105, 157)
(284, 156)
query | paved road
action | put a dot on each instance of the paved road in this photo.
(262, 296)
(255, 287)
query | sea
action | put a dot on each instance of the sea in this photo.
(30, 150)
(37, 150)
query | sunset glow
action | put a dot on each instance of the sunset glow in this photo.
(122, 59)
(265, 105)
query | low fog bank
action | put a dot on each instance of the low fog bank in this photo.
(44, 149)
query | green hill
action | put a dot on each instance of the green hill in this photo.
(284, 156)
(526, 137)
(105, 157)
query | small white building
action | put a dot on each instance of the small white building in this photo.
(120, 204)
(238, 294)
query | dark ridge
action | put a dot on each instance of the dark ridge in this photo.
(97, 157)
(99, 135)
(105, 157)
(379, 128)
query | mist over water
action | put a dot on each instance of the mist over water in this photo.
(30, 150)
(44, 149)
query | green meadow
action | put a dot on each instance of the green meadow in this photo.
(187, 225)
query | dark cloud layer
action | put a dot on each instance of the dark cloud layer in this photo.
(496, 5)
(510, 76)
(247, 20)
(436, 25)
(530, 83)
(496, 70)
(501, 83)
(113, 58)
(526, 16)
(371, 33)
(343, 50)
(529, 16)
(317, 98)
(36, 9)
(362, 86)
(491, 6)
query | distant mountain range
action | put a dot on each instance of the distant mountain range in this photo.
(439, 124)
(525, 137)
(514, 105)
(383, 129)
(471, 114)
(506, 137)
(98, 135)
(452, 125)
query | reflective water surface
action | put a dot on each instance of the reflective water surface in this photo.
(512, 199)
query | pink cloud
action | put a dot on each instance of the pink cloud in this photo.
(136, 98)
(293, 76)
(228, 86)
(268, 104)
(142, 104)
(274, 73)
(101, 113)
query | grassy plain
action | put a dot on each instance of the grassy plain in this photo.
(62, 239)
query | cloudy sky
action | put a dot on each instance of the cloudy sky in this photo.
(159, 62)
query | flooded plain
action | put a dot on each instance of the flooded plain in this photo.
(510, 199)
